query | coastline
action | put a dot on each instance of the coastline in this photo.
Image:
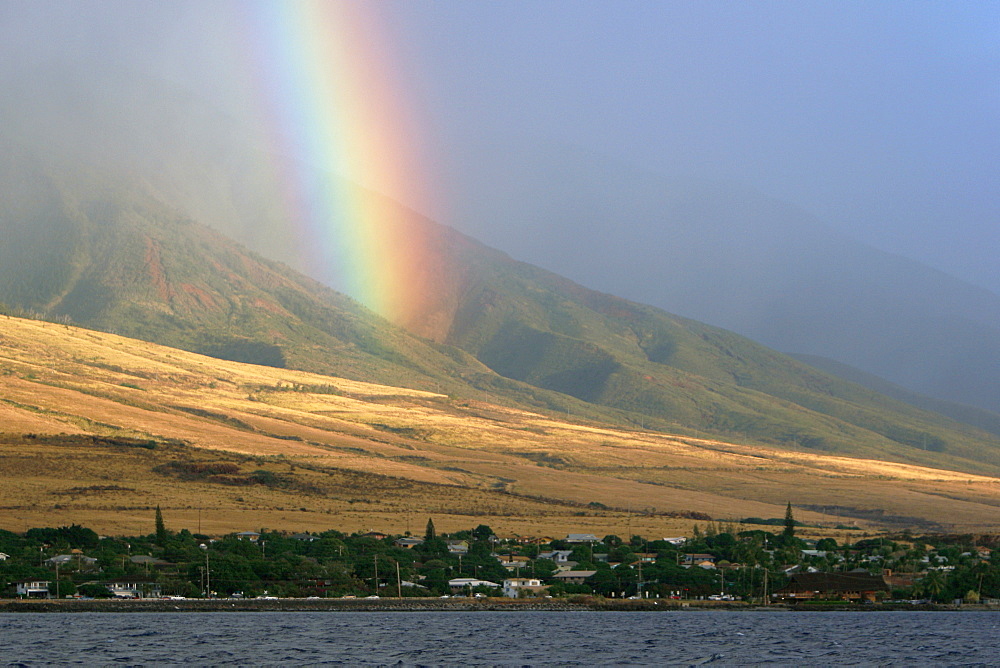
(443, 605)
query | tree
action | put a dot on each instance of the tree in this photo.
(429, 533)
(161, 529)
(482, 532)
(933, 584)
(789, 531)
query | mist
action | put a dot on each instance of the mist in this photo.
(822, 178)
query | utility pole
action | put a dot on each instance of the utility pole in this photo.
(376, 574)
(399, 583)
(57, 579)
(208, 578)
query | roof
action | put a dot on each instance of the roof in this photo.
(70, 558)
(146, 559)
(801, 582)
(470, 582)
(566, 575)
(582, 538)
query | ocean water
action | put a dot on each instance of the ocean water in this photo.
(685, 638)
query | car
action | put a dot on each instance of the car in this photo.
(373, 596)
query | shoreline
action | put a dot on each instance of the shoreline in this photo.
(444, 605)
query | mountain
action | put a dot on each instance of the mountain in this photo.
(107, 255)
(977, 417)
(98, 248)
(108, 231)
(99, 429)
(533, 326)
(724, 254)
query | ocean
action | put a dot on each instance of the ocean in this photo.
(679, 638)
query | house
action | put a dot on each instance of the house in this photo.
(573, 577)
(150, 562)
(251, 536)
(819, 554)
(558, 556)
(698, 559)
(457, 546)
(564, 566)
(461, 585)
(521, 587)
(852, 586)
(514, 562)
(377, 535)
(33, 588)
(305, 537)
(676, 541)
(4, 556)
(900, 580)
(134, 589)
(582, 538)
(408, 543)
(78, 560)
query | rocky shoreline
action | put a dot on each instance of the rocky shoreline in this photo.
(428, 605)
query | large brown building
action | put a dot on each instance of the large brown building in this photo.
(833, 586)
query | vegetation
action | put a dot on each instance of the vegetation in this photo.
(333, 563)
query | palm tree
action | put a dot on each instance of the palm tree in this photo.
(933, 584)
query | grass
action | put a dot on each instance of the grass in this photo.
(255, 446)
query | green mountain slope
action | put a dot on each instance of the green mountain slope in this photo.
(669, 372)
(109, 249)
(106, 253)
(110, 257)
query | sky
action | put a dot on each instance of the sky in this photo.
(882, 119)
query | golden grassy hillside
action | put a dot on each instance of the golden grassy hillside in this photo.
(98, 429)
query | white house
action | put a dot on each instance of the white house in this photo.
(558, 556)
(134, 589)
(516, 587)
(459, 585)
(4, 556)
(582, 538)
(33, 588)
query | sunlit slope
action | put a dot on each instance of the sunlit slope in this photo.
(105, 252)
(670, 372)
(320, 435)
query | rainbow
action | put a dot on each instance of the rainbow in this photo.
(343, 136)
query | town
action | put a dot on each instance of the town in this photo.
(717, 562)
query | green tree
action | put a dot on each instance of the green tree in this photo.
(161, 529)
(429, 533)
(789, 531)
(482, 532)
(933, 584)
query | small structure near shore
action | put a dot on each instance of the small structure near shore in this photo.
(833, 586)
